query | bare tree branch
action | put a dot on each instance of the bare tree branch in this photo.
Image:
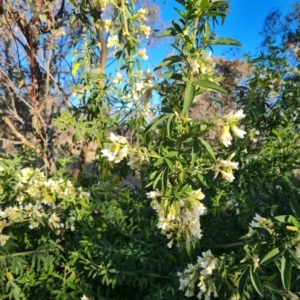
(20, 136)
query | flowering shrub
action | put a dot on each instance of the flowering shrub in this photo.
(145, 243)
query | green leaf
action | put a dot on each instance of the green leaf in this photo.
(272, 255)
(255, 282)
(288, 219)
(189, 95)
(210, 85)
(208, 149)
(295, 258)
(157, 179)
(174, 76)
(165, 177)
(243, 281)
(295, 208)
(170, 164)
(195, 150)
(286, 271)
(157, 121)
(169, 61)
(170, 126)
(188, 247)
(225, 41)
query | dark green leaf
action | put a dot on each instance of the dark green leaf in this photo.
(295, 258)
(165, 178)
(170, 126)
(243, 281)
(255, 282)
(295, 208)
(286, 271)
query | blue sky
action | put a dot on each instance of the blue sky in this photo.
(244, 23)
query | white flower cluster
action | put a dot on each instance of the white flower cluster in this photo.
(36, 198)
(179, 218)
(225, 167)
(118, 149)
(141, 14)
(142, 54)
(203, 64)
(201, 273)
(113, 42)
(145, 30)
(259, 221)
(228, 122)
(105, 24)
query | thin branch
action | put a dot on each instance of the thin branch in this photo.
(25, 253)
(20, 136)
(10, 141)
(233, 245)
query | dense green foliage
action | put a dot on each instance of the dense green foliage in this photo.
(215, 213)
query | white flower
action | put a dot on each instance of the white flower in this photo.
(230, 122)
(145, 30)
(229, 164)
(84, 297)
(227, 176)
(152, 195)
(259, 221)
(136, 159)
(141, 14)
(170, 244)
(118, 79)
(139, 86)
(250, 233)
(117, 138)
(226, 137)
(195, 67)
(231, 117)
(142, 54)
(113, 41)
(238, 132)
(54, 220)
(3, 239)
(198, 194)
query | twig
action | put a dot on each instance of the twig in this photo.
(20, 136)
(10, 141)
(233, 245)
(25, 253)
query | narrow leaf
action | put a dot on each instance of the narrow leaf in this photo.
(210, 85)
(243, 281)
(157, 121)
(286, 271)
(272, 255)
(255, 281)
(208, 149)
(170, 164)
(225, 41)
(165, 177)
(189, 95)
